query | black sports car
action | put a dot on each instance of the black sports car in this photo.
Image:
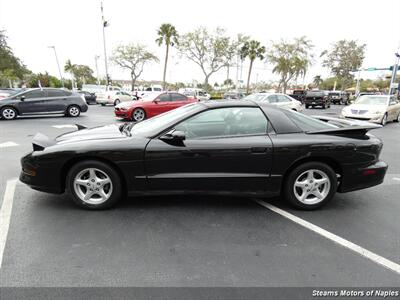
(225, 148)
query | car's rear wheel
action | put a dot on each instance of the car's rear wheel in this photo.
(8, 113)
(116, 102)
(103, 104)
(384, 119)
(138, 115)
(398, 118)
(307, 106)
(310, 185)
(94, 185)
(73, 111)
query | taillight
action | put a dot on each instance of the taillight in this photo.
(369, 172)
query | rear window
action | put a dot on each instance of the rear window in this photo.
(315, 94)
(306, 123)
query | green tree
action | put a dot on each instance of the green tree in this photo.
(317, 81)
(343, 58)
(290, 59)
(133, 58)
(167, 35)
(80, 73)
(252, 49)
(210, 51)
(11, 67)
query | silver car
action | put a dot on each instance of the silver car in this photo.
(374, 108)
(277, 99)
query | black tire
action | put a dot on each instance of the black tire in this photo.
(398, 118)
(307, 106)
(103, 104)
(116, 102)
(8, 113)
(323, 106)
(289, 187)
(73, 111)
(116, 193)
(384, 119)
(141, 110)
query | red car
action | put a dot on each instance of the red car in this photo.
(151, 105)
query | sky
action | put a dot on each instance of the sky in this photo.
(75, 29)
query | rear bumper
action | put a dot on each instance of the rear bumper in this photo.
(104, 101)
(361, 178)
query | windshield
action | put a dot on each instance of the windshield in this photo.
(372, 100)
(307, 123)
(149, 97)
(158, 123)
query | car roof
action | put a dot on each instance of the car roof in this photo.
(228, 103)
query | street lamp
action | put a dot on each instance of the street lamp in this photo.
(395, 67)
(58, 64)
(96, 57)
(105, 24)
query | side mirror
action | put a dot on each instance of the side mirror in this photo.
(155, 101)
(22, 98)
(177, 136)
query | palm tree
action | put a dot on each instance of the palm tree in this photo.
(70, 68)
(251, 49)
(317, 81)
(167, 35)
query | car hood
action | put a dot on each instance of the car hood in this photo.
(367, 107)
(96, 133)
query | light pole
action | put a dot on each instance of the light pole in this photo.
(96, 57)
(105, 24)
(58, 64)
(393, 80)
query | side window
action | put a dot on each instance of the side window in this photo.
(178, 97)
(164, 97)
(224, 122)
(55, 93)
(272, 99)
(282, 98)
(35, 94)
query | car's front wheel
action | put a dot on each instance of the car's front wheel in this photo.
(310, 185)
(8, 113)
(116, 102)
(384, 120)
(94, 185)
(73, 111)
(138, 115)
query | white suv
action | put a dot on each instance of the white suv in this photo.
(113, 97)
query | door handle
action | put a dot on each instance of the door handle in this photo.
(260, 150)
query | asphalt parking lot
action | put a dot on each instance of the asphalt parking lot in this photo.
(191, 241)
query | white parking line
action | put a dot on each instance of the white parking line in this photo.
(5, 214)
(64, 126)
(396, 178)
(8, 144)
(335, 238)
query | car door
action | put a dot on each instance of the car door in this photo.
(31, 101)
(56, 101)
(393, 109)
(162, 103)
(225, 149)
(283, 101)
(178, 100)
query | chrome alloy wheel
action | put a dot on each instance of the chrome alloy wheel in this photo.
(8, 114)
(138, 115)
(93, 186)
(312, 186)
(74, 111)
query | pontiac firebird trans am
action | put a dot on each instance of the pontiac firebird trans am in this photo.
(226, 148)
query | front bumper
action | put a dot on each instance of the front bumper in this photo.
(43, 178)
(363, 177)
(124, 114)
(368, 118)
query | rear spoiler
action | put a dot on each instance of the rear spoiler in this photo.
(346, 127)
(341, 122)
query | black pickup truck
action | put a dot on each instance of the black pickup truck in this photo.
(299, 95)
(317, 98)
